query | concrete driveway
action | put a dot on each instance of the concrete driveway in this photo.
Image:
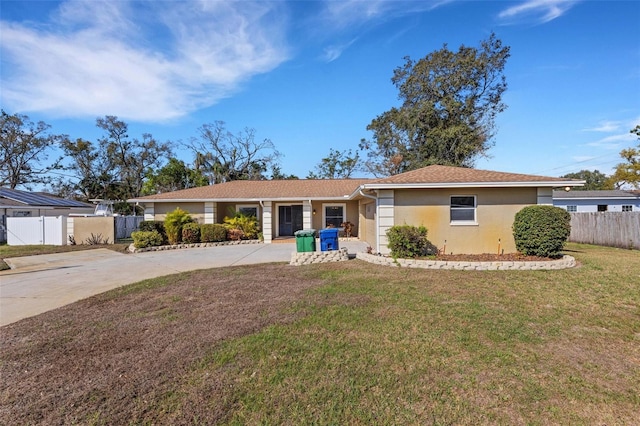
(37, 284)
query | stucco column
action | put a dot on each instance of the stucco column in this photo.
(385, 219)
(210, 212)
(267, 224)
(149, 211)
(307, 220)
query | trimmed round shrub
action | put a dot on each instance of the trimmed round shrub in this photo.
(541, 230)
(406, 241)
(213, 233)
(154, 225)
(191, 233)
(142, 239)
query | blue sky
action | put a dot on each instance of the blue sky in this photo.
(311, 75)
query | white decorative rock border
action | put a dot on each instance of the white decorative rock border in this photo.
(564, 263)
(132, 249)
(307, 258)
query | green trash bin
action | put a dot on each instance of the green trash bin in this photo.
(305, 240)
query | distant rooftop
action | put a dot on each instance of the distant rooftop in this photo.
(37, 199)
(614, 193)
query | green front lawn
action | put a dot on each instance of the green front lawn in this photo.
(363, 344)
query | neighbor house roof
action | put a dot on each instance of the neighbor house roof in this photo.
(610, 194)
(32, 199)
(334, 189)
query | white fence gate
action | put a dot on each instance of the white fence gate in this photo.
(125, 225)
(48, 230)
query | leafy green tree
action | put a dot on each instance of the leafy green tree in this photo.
(628, 173)
(277, 174)
(337, 165)
(224, 156)
(449, 104)
(173, 176)
(116, 166)
(24, 150)
(595, 180)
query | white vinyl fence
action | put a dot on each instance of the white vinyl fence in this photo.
(48, 230)
(613, 229)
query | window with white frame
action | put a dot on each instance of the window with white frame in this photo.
(463, 209)
(627, 208)
(247, 209)
(572, 209)
(334, 215)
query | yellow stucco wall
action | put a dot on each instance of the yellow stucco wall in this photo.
(103, 227)
(495, 212)
(352, 214)
(196, 210)
(368, 222)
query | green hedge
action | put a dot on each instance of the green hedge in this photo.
(154, 225)
(213, 233)
(541, 230)
(142, 239)
(173, 224)
(191, 233)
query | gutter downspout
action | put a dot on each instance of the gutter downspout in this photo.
(377, 218)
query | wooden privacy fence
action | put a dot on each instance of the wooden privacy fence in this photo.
(613, 229)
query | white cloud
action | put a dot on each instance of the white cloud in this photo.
(605, 126)
(541, 11)
(614, 141)
(331, 53)
(143, 61)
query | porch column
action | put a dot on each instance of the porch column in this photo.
(210, 212)
(307, 220)
(267, 224)
(149, 213)
(386, 218)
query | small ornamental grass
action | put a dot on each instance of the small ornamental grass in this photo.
(541, 230)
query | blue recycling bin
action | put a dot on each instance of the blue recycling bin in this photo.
(329, 239)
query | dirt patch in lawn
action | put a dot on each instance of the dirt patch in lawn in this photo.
(116, 355)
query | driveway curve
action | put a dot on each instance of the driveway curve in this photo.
(36, 284)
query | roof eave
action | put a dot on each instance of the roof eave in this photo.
(234, 200)
(445, 185)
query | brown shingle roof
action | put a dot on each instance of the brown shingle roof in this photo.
(265, 189)
(431, 176)
(447, 174)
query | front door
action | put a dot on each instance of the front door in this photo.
(289, 219)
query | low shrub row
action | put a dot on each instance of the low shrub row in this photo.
(179, 227)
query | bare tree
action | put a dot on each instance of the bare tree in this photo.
(224, 156)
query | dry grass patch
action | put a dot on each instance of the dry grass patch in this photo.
(344, 343)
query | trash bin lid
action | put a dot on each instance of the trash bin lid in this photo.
(305, 233)
(329, 231)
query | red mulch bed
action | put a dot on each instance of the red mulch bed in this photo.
(491, 257)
